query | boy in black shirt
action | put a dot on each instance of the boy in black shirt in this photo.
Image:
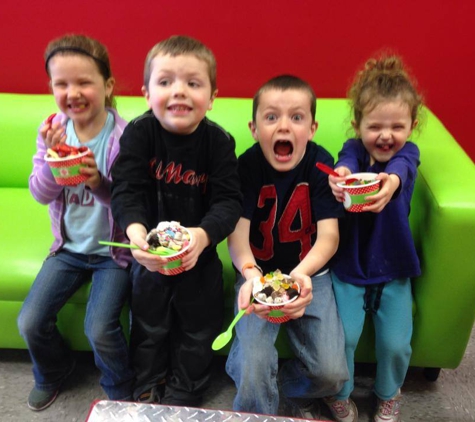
(175, 164)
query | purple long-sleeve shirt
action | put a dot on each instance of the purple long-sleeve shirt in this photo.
(46, 191)
(378, 247)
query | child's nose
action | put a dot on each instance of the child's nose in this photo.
(73, 92)
(284, 123)
(179, 88)
(385, 134)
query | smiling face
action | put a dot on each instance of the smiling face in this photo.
(385, 129)
(79, 89)
(283, 126)
(179, 92)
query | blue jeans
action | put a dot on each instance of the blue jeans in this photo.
(60, 277)
(317, 340)
(393, 332)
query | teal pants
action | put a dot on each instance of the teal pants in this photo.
(393, 331)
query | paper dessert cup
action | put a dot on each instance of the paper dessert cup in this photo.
(173, 266)
(275, 315)
(355, 195)
(66, 170)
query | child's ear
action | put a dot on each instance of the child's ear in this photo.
(355, 127)
(145, 92)
(211, 101)
(146, 95)
(313, 129)
(110, 86)
(253, 129)
(413, 126)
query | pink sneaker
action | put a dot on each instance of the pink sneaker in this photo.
(342, 410)
(388, 410)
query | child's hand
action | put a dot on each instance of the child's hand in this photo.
(244, 298)
(296, 308)
(199, 241)
(293, 310)
(137, 234)
(52, 133)
(333, 180)
(389, 185)
(91, 171)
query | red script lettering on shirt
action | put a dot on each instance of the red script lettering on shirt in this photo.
(172, 173)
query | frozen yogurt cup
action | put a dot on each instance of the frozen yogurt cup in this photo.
(173, 236)
(65, 169)
(355, 193)
(275, 290)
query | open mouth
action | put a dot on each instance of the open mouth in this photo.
(385, 147)
(77, 107)
(283, 149)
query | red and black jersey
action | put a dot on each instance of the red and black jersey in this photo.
(284, 207)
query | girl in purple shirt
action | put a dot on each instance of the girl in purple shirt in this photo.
(377, 257)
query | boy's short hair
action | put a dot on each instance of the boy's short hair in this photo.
(178, 45)
(283, 83)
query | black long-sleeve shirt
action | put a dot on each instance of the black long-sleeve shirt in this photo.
(193, 179)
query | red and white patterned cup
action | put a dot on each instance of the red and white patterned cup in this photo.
(173, 266)
(66, 170)
(276, 316)
(355, 194)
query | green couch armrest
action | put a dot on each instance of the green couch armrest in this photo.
(443, 224)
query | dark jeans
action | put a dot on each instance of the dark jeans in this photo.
(59, 278)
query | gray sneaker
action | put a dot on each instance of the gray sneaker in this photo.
(388, 410)
(342, 410)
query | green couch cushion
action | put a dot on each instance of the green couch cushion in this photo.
(27, 239)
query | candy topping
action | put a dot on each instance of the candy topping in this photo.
(168, 234)
(276, 288)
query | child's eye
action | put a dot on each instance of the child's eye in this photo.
(271, 117)
(193, 84)
(59, 84)
(163, 82)
(297, 117)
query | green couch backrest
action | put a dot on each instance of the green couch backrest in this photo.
(21, 116)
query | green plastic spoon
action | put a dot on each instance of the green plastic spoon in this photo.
(161, 250)
(223, 339)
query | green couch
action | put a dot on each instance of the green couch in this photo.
(442, 219)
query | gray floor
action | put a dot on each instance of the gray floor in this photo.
(450, 398)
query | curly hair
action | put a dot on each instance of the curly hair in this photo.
(382, 79)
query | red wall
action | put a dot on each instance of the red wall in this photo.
(323, 42)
